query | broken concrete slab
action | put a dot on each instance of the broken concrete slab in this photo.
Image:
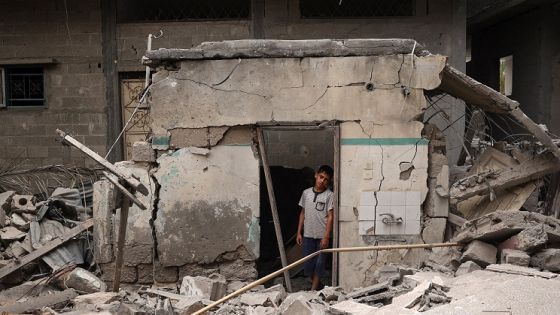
(501, 225)
(39, 302)
(23, 203)
(379, 287)
(10, 234)
(351, 308)
(467, 267)
(529, 240)
(212, 287)
(449, 257)
(481, 253)
(520, 270)
(82, 301)
(434, 230)
(514, 257)
(142, 152)
(548, 259)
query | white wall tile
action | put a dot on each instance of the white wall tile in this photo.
(366, 227)
(413, 198)
(412, 227)
(366, 213)
(383, 198)
(367, 198)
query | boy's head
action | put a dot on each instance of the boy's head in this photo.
(323, 177)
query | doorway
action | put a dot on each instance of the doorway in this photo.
(294, 154)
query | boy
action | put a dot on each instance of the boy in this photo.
(316, 220)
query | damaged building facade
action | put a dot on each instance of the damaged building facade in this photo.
(203, 163)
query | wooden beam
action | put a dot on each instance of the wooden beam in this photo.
(133, 182)
(273, 209)
(125, 191)
(123, 221)
(56, 242)
(527, 171)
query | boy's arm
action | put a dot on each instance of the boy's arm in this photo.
(299, 238)
(325, 240)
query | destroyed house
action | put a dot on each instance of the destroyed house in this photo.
(236, 122)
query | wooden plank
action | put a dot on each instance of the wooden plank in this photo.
(527, 171)
(15, 265)
(133, 182)
(273, 209)
(123, 221)
(336, 214)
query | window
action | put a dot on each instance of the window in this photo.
(317, 9)
(175, 10)
(24, 86)
(506, 75)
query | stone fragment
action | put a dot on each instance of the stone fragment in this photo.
(142, 152)
(449, 257)
(82, 301)
(529, 240)
(548, 259)
(301, 306)
(81, 280)
(189, 305)
(514, 257)
(235, 285)
(351, 308)
(212, 287)
(5, 205)
(10, 234)
(23, 203)
(467, 267)
(19, 222)
(261, 310)
(434, 230)
(329, 294)
(481, 253)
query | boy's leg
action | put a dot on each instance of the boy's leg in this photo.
(318, 272)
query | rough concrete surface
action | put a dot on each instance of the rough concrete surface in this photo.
(481, 253)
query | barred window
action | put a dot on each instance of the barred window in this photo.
(176, 10)
(24, 86)
(317, 9)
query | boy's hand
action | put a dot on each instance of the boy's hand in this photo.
(299, 239)
(324, 243)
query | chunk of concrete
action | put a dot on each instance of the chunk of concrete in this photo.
(189, 305)
(514, 257)
(81, 280)
(449, 257)
(302, 306)
(350, 307)
(481, 253)
(548, 259)
(82, 301)
(10, 234)
(23, 203)
(257, 298)
(529, 240)
(104, 204)
(467, 267)
(212, 287)
(19, 222)
(142, 151)
(434, 230)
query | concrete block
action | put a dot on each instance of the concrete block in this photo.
(24, 203)
(211, 288)
(5, 205)
(188, 305)
(142, 152)
(481, 253)
(239, 270)
(301, 306)
(434, 230)
(351, 308)
(529, 240)
(449, 257)
(548, 259)
(128, 274)
(197, 270)
(165, 274)
(514, 257)
(145, 273)
(467, 267)
(104, 203)
(98, 298)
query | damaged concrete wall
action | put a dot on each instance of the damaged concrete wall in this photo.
(377, 99)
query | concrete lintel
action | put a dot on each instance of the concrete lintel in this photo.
(260, 48)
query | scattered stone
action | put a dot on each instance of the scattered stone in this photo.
(351, 308)
(548, 259)
(142, 152)
(189, 305)
(481, 253)
(301, 306)
(212, 287)
(529, 240)
(81, 280)
(467, 267)
(514, 257)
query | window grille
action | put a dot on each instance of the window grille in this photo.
(175, 10)
(356, 8)
(24, 86)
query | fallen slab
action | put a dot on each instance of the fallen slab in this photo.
(501, 225)
(520, 270)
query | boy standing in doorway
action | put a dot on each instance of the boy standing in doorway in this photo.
(316, 221)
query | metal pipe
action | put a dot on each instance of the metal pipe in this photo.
(327, 250)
